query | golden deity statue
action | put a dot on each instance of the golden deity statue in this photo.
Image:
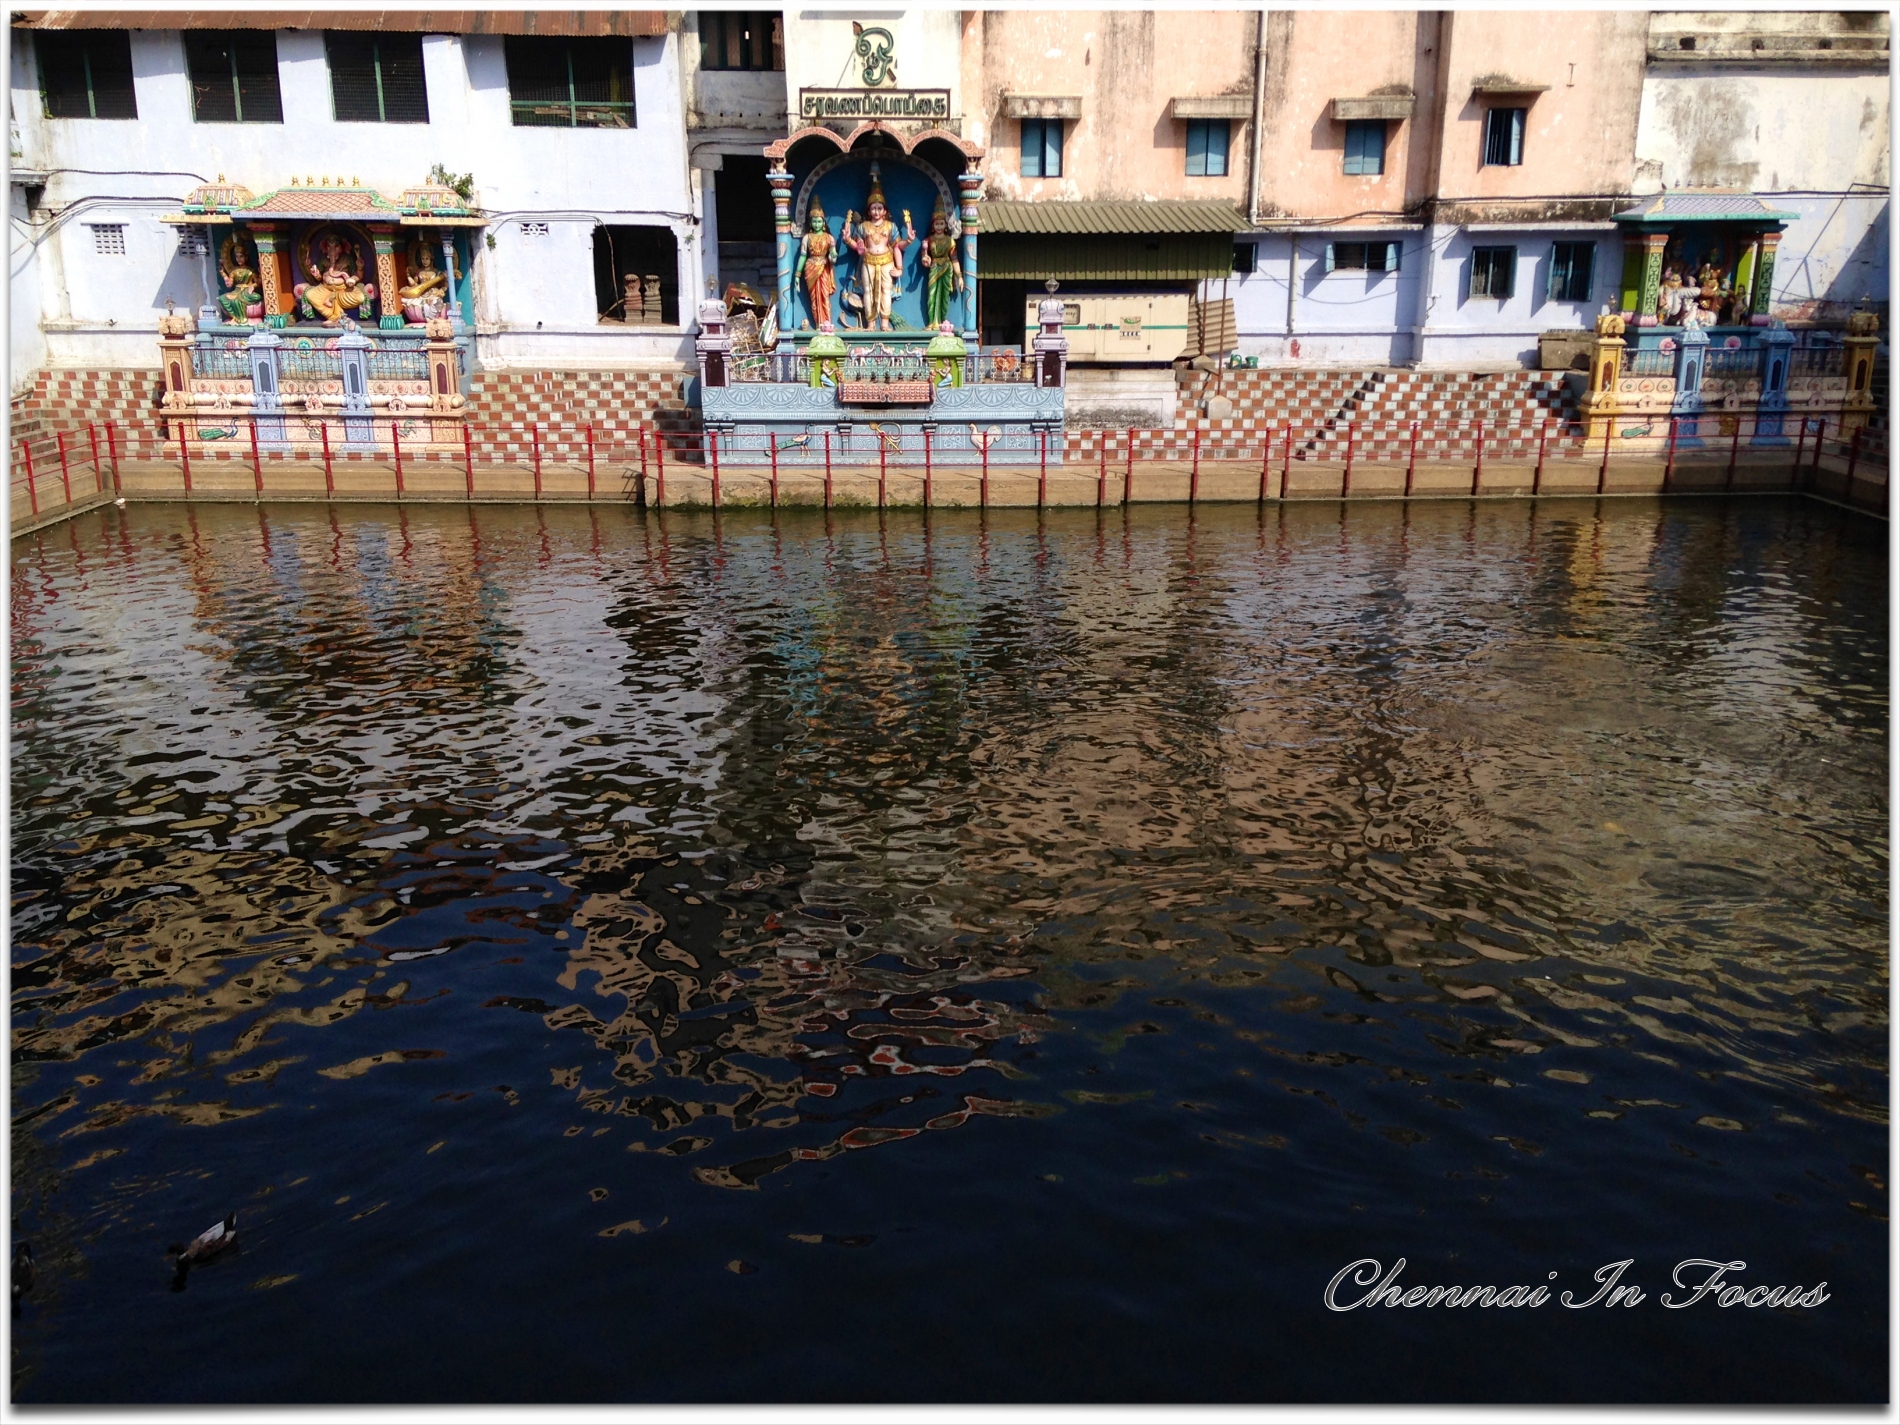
(240, 301)
(426, 292)
(335, 285)
(881, 256)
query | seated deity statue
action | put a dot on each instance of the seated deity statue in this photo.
(425, 295)
(335, 286)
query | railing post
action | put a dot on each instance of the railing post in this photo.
(184, 452)
(1669, 461)
(1042, 476)
(983, 481)
(534, 441)
(714, 434)
(1603, 470)
(1411, 459)
(827, 469)
(1345, 484)
(1814, 466)
(1194, 472)
(98, 475)
(32, 483)
(257, 461)
(112, 454)
(329, 472)
(1266, 462)
(590, 460)
(1847, 490)
(926, 467)
(1128, 475)
(1537, 475)
(1734, 448)
(1101, 478)
(1800, 449)
(774, 440)
(1286, 461)
(1477, 468)
(65, 475)
(883, 468)
(395, 441)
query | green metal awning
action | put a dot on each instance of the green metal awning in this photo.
(1054, 217)
(1106, 257)
(1679, 207)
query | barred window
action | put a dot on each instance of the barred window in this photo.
(86, 74)
(377, 78)
(233, 76)
(1572, 271)
(1362, 257)
(191, 242)
(571, 84)
(1503, 137)
(741, 39)
(108, 239)
(1493, 270)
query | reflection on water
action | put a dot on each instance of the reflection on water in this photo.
(1503, 887)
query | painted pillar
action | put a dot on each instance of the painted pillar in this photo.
(714, 345)
(174, 359)
(1642, 275)
(1772, 409)
(971, 184)
(781, 182)
(1692, 355)
(388, 299)
(1863, 335)
(270, 275)
(1764, 279)
(455, 282)
(445, 384)
(1598, 406)
(359, 431)
(267, 404)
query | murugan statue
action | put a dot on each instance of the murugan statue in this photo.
(1713, 288)
(335, 287)
(881, 256)
(240, 301)
(940, 258)
(819, 250)
(1673, 298)
(426, 292)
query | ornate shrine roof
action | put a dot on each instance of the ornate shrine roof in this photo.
(424, 204)
(1705, 206)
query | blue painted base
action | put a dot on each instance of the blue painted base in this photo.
(1005, 419)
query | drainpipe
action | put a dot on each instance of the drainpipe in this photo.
(1259, 110)
(1292, 285)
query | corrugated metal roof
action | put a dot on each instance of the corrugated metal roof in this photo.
(1735, 207)
(1056, 217)
(636, 23)
(1107, 257)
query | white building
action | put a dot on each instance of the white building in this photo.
(572, 136)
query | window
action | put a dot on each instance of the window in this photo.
(233, 76)
(1362, 257)
(1246, 257)
(741, 39)
(191, 242)
(86, 74)
(571, 84)
(636, 275)
(1503, 137)
(1492, 271)
(108, 239)
(1365, 146)
(1042, 148)
(1572, 271)
(1207, 148)
(376, 78)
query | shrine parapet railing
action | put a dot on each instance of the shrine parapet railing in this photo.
(988, 367)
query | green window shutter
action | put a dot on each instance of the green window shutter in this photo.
(1392, 250)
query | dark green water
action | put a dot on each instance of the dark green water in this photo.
(603, 957)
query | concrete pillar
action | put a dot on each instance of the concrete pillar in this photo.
(1692, 354)
(971, 186)
(1863, 335)
(1052, 347)
(267, 406)
(713, 344)
(1599, 403)
(781, 183)
(388, 299)
(1643, 251)
(359, 431)
(174, 360)
(270, 283)
(1772, 410)
(455, 287)
(1764, 279)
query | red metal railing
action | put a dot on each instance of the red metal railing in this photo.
(411, 456)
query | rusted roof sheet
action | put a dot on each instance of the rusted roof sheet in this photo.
(635, 23)
(1199, 215)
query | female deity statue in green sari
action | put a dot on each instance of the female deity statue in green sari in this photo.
(940, 261)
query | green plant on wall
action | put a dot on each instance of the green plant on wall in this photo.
(463, 184)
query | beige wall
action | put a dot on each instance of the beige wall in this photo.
(1126, 66)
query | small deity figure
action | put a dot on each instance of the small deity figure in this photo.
(1673, 299)
(334, 287)
(1712, 287)
(426, 292)
(940, 258)
(239, 301)
(819, 252)
(881, 254)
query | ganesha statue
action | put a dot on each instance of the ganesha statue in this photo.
(336, 285)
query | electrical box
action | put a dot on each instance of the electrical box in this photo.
(1139, 326)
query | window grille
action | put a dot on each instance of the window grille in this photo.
(1042, 148)
(191, 242)
(1362, 257)
(1365, 146)
(377, 78)
(570, 84)
(1207, 141)
(86, 74)
(1572, 271)
(1493, 270)
(534, 230)
(1503, 137)
(233, 76)
(741, 39)
(108, 239)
